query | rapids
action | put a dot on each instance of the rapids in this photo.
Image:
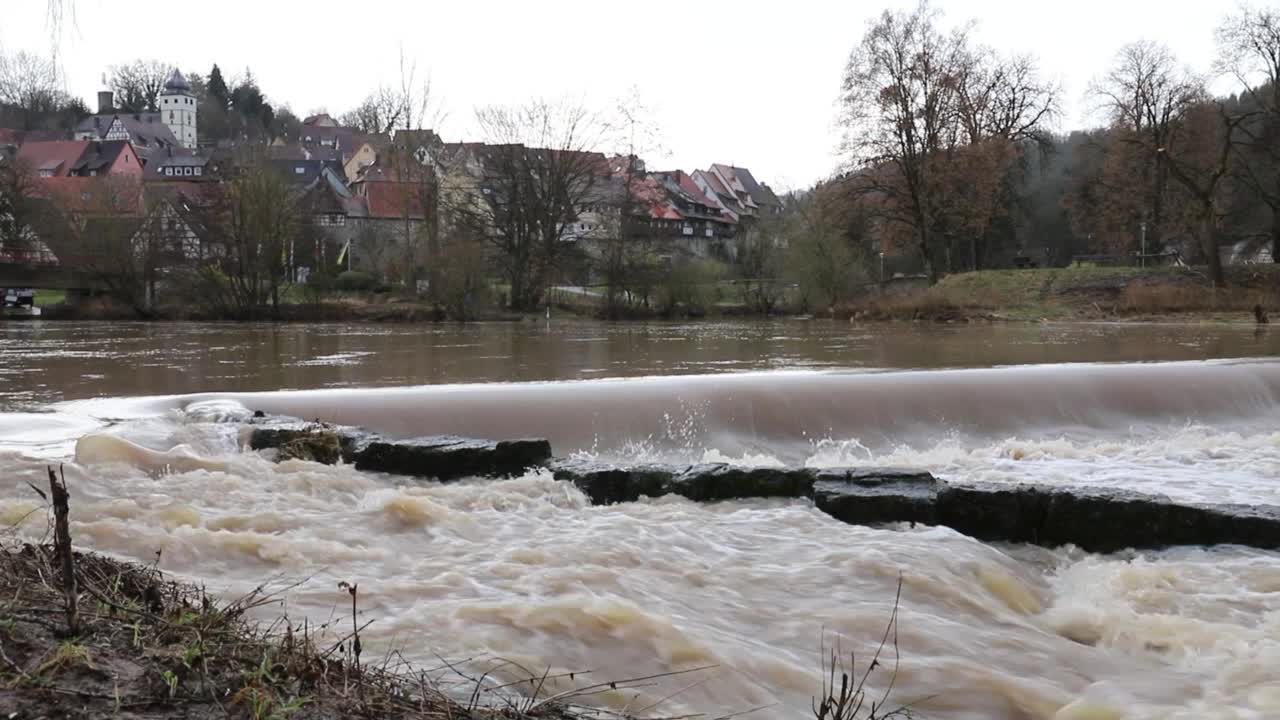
(526, 570)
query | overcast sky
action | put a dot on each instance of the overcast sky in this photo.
(743, 82)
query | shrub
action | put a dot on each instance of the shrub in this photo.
(356, 281)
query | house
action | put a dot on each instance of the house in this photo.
(145, 131)
(181, 164)
(322, 120)
(701, 214)
(302, 172)
(359, 159)
(737, 192)
(79, 158)
(175, 228)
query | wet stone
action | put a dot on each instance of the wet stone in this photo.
(442, 458)
(448, 458)
(872, 497)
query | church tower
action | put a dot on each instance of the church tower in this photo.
(178, 109)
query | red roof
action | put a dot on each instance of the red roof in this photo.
(54, 157)
(392, 199)
(691, 188)
(108, 195)
(716, 186)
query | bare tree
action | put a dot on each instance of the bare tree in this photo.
(622, 244)
(257, 226)
(1003, 98)
(92, 228)
(30, 87)
(1200, 165)
(20, 210)
(538, 174)
(138, 84)
(381, 112)
(900, 102)
(1249, 51)
(1147, 97)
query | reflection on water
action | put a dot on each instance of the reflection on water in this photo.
(46, 361)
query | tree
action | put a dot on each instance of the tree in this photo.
(1249, 51)
(537, 177)
(1147, 97)
(19, 209)
(622, 245)
(93, 226)
(253, 116)
(381, 112)
(138, 84)
(30, 89)
(1200, 165)
(217, 87)
(826, 231)
(900, 101)
(286, 126)
(258, 224)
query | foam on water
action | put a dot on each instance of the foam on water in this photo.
(527, 570)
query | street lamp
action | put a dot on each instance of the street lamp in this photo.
(1142, 259)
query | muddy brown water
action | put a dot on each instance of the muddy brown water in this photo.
(524, 569)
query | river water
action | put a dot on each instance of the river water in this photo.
(524, 570)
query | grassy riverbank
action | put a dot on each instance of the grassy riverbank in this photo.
(1081, 294)
(148, 647)
(1058, 294)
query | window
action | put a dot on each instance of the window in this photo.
(168, 171)
(299, 170)
(170, 116)
(46, 173)
(186, 171)
(198, 171)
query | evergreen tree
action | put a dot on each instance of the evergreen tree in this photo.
(217, 87)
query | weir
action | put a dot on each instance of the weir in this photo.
(1093, 519)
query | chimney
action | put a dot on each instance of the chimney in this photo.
(104, 102)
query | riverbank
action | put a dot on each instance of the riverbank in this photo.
(148, 647)
(1080, 294)
(1166, 294)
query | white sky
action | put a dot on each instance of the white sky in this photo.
(734, 81)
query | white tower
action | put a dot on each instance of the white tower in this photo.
(178, 109)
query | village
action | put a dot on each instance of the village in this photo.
(142, 205)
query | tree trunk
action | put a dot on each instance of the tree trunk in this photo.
(929, 268)
(1209, 243)
(1275, 235)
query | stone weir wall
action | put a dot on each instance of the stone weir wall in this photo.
(1096, 520)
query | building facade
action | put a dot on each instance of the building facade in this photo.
(178, 110)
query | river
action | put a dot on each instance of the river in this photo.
(525, 570)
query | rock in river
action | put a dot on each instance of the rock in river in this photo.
(442, 458)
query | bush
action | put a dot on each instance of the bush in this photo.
(356, 281)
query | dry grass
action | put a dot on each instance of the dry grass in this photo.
(936, 304)
(1169, 299)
